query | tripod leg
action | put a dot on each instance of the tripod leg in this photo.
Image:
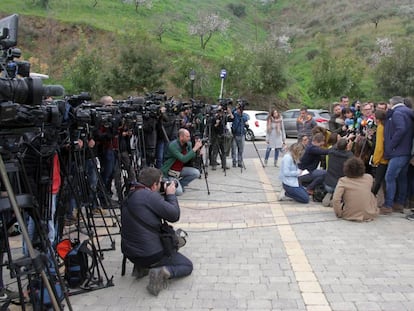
(258, 154)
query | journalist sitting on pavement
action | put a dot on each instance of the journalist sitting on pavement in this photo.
(143, 246)
(351, 189)
(310, 161)
(289, 172)
(179, 152)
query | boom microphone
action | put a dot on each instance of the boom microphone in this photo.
(53, 90)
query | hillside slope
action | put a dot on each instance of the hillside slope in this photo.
(50, 37)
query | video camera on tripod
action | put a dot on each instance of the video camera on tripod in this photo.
(17, 86)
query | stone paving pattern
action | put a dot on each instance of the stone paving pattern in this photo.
(252, 252)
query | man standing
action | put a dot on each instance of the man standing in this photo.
(305, 123)
(238, 128)
(146, 208)
(337, 122)
(179, 152)
(398, 142)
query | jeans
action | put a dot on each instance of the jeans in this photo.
(329, 189)
(268, 149)
(188, 174)
(159, 153)
(396, 191)
(298, 194)
(177, 264)
(237, 149)
(314, 178)
(108, 168)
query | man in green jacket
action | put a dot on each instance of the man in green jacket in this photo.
(179, 152)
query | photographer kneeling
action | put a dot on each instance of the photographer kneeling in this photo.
(179, 152)
(145, 209)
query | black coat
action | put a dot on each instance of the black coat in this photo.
(336, 162)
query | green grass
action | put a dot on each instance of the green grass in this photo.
(117, 17)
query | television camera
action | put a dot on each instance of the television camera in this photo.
(17, 85)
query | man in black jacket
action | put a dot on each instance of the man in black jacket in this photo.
(310, 161)
(143, 246)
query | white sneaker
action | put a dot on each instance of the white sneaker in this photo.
(283, 197)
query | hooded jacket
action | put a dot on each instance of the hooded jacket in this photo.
(398, 131)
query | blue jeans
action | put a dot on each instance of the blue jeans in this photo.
(178, 265)
(396, 191)
(298, 194)
(314, 178)
(108, 166)
(237, 149)
(268, 149)
(160, 153)
(188, 174)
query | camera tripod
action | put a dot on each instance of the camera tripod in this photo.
(40, 267)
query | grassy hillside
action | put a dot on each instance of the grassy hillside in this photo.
(51, 35)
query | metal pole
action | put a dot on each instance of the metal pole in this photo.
(221, 89)
(25, 234)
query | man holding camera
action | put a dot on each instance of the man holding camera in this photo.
(239, 121)
(179, 152)
(145, 209)
(218, 138)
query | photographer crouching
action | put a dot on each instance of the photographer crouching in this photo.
(141, 217)
(179, 152)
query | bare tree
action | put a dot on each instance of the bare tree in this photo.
(206, 25)
(140, 3)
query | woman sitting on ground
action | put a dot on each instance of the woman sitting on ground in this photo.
(353, 199)
(289, 173)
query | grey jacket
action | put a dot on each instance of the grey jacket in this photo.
(151, 208)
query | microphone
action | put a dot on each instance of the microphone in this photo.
(53, 90)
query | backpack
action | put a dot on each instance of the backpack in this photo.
(319, 193)
(75, 256)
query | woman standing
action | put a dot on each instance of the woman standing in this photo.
(275, 135)
(289, 173)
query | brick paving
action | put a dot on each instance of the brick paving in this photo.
(252, 252)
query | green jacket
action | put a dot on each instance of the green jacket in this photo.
(174, 153)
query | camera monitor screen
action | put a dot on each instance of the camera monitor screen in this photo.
(8, 31)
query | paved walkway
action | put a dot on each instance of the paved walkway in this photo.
(252, 252)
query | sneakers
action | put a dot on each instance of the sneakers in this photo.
(410, 217)
(7, 294)
(283, 197)
(385, 210)
(275, 163)
(265, 161)
(158, 280)
(234, 164)
(214, 167)
(327, 199)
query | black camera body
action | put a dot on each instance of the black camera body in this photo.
(166, 183)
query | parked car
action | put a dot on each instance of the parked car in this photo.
(321, 117)
(257, 124)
